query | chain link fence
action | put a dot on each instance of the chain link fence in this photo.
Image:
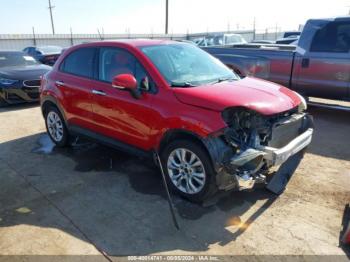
(20, 41)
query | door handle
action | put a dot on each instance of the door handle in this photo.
(98, 92)
(305, 62)
(60, 83)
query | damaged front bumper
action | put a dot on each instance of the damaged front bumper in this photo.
(271, 156)
(277, 156)
(254, 164)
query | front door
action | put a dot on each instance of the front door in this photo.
(117, 114)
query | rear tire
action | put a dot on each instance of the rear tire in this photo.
(188, 170)
(56, 127)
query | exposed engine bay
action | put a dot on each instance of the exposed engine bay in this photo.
(259, 142)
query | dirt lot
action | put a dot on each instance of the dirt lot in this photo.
(90, 199)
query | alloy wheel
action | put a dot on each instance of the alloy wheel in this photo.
(186, 171)
(55, 126)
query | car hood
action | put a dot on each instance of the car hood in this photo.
(259, 95)
(24, 72)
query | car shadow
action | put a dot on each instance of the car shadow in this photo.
(116, 199)
(16, 107)
(331, 134)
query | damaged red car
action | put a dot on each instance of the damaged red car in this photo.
(212, 129)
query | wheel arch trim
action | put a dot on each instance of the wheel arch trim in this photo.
(52, 100)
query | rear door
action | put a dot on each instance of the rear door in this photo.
(324, 71)
(73, 80)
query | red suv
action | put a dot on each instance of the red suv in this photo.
(212, 129)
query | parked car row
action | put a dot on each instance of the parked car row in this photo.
(225, 39)
(219, 40)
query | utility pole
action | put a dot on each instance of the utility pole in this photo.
(71, 37)
(50, 8)
(276, 31)
(254, 28)
(166, 16)
(34, 39)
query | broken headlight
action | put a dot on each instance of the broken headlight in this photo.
(303, 105)
(246, 128)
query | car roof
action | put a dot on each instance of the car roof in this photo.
(332, 19)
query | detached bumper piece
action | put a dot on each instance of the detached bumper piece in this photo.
(277, 156)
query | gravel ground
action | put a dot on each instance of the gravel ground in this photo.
(90, 199)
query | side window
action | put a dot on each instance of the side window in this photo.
(80, 63)
(115, 61)
(31, 51)
(334, 37)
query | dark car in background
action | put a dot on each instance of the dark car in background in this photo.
(44, 54)
(287, 40)
(262, 42)
(291, 33)
(19, 77)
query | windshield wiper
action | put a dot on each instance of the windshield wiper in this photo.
(181, 84)
(222, 79)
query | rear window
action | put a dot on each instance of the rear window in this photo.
(334, 37)
(50, 49)
(80, 63)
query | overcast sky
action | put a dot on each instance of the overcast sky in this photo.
(145, 16)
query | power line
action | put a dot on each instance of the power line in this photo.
(50, 8)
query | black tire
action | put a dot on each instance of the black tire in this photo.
(209, 188)
(64, 141)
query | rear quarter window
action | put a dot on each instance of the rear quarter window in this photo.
(80, 63)
(333, 38)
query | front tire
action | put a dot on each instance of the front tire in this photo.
(56, 127)
(189, 171)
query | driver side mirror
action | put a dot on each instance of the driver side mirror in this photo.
(124, 81)
(127, 82)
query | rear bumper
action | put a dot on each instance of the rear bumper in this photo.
(277, 156)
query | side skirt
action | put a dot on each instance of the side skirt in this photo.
(111, 142)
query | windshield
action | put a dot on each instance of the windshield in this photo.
(16, 59)
(187, 65)
(50, 49)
